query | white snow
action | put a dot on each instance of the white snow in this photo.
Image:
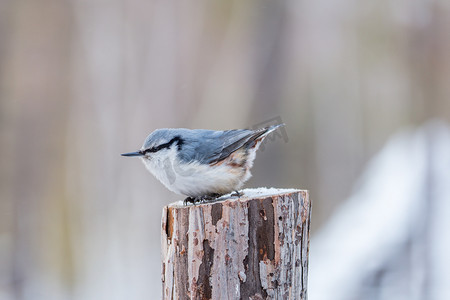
(247, 193)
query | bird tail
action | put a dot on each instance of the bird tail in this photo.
(273, 128)
(263, 132)
(260, 134)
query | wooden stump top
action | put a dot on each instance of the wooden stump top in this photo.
(251, 247)
(247, 194)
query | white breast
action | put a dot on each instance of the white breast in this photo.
(195, 179)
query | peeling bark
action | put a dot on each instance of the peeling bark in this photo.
(247, 248)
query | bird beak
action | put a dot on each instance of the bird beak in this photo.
(137, 153)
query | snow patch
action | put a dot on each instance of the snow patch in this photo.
(246, 194)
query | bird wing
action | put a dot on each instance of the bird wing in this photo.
(234, 142)
(213, 146)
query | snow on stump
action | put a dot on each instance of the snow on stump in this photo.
(252, 247)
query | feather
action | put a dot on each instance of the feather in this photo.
(209, 147)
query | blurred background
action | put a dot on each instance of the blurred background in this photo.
(363, 87)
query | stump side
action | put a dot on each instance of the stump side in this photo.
(247, 248)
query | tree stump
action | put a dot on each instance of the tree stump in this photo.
(252, 247)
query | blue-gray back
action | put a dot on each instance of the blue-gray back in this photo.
(205, 146)
(209, 146)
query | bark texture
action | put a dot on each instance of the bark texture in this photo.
(247, 248)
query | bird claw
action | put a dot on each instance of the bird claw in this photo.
(189, 200)
(237, 194)
(200, 199)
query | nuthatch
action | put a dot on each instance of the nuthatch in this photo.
(202, 164)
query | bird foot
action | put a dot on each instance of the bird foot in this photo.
(237, 194)
(201, 199)
(189, 200)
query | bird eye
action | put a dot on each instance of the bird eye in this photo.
(167, 145)
(155, 148)
(150, 150)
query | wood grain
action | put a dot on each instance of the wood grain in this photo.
(246, 248)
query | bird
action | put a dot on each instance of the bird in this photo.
(199, 163)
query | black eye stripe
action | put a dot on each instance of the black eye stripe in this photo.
(167, 145)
